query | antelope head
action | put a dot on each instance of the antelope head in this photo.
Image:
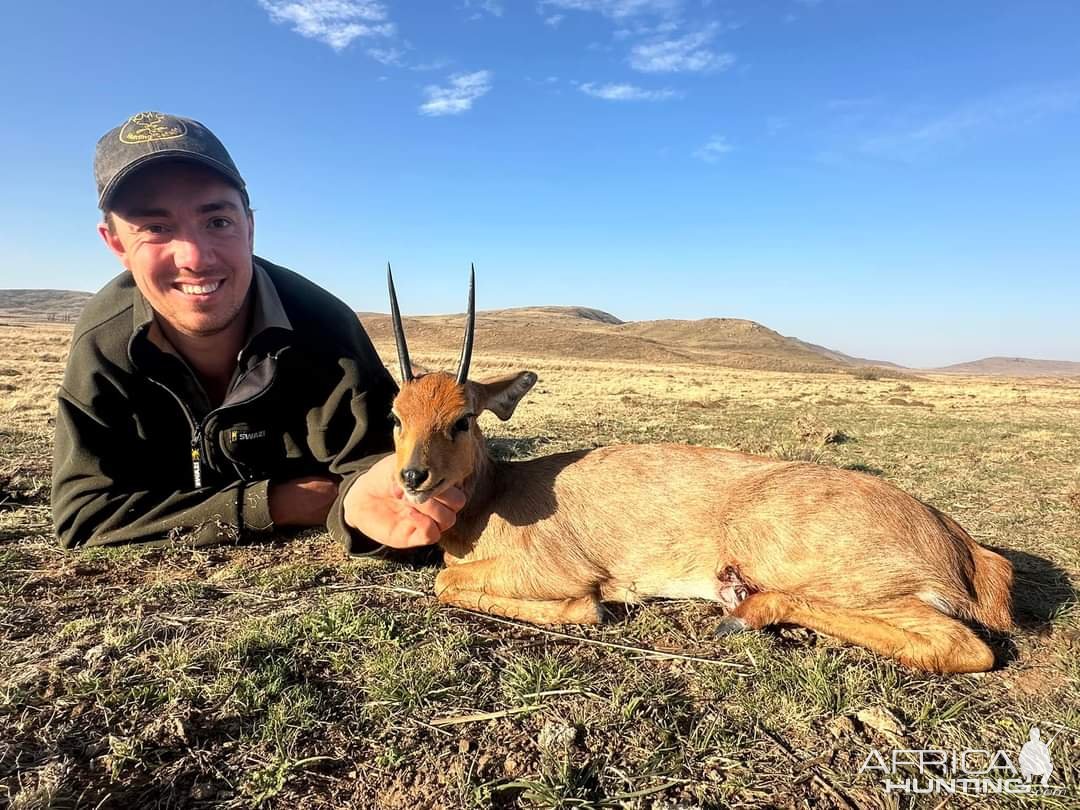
(437, 441)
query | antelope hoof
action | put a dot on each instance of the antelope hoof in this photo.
(730, 625)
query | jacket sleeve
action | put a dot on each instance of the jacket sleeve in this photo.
(353, 430)
(102, 491)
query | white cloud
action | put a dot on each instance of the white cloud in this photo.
(639, 29)
(427, 67)
(458, 97)
(493, 7)
(716, 147)
(625, 92)
(386, 56)
(616, 9)
(333, 22)
(1015, 108)
(687, 53)
(554, 20)
(775, 124)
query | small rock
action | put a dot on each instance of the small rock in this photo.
(97, 653)
(882, 721)
(556, 736)
(70, 657)
(180, 729)
(463, 746)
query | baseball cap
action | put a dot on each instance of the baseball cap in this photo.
(148, 137)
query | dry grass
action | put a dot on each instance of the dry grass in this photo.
(284, 675)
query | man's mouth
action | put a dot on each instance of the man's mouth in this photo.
(205, 288)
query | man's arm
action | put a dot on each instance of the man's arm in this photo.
(352, 432)
(103, 490)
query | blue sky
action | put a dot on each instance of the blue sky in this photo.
(894, 180)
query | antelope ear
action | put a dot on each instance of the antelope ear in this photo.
(502, 394)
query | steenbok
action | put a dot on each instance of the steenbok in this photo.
(548, 540)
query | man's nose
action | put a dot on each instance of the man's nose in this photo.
(191, 251)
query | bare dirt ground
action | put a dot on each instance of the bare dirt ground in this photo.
(284, 675)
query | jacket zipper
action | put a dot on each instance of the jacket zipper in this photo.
(198, 429)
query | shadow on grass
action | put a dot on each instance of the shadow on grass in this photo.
(1041, 589)
(1041, 593)
(864, 468)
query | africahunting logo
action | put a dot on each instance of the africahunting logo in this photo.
(151, 126)
(967, 770)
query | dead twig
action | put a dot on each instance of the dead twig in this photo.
(479, 718)
(646, 651)
(815, 775)
(390, 588)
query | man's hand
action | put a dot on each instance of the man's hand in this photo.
(302, 501)
(375, 505)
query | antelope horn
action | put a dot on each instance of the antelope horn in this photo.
(399, 330)
(470, 325)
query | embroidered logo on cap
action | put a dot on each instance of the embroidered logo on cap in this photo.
(151, 126)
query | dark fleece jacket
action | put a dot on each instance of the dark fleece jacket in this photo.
(141, 456)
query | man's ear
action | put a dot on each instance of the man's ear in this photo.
(502, 394)
(112, 242)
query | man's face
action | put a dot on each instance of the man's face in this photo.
(182, 231)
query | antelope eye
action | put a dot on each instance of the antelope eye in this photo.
(460, 425)
(395, 420)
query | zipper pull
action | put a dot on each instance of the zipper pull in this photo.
(196, 461)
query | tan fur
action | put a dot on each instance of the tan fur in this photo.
(837, 551)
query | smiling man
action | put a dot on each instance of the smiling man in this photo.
(209, 394)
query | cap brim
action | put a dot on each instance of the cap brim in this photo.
(170, 155)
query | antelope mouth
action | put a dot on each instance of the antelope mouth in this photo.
(419, 496)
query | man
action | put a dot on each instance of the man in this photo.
(210, 394)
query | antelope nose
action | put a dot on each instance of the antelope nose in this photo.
(413, 477)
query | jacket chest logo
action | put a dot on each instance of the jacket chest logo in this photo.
(246, 435)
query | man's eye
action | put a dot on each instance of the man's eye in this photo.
(154, 228)
(220, 222)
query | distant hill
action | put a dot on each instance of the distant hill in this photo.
(846, 358)
(741, 343)
(41, 305)
(590, 334)
(1014, 367)
(583, 313)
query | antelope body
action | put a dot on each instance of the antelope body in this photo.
(548, 540)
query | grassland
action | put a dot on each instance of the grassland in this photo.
(284, 675)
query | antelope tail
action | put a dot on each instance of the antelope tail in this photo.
(991, 605)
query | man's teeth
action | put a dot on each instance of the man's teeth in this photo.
(199, 289)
